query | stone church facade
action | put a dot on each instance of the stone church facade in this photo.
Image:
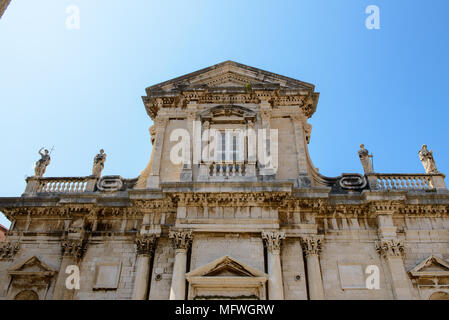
(243, 215)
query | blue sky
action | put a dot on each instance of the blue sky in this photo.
(80, 90)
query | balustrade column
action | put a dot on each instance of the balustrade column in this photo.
(145, 245)
(72, 252)
(272, 242)
(311, 246)
(181, 243)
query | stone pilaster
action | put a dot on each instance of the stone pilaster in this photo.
(298, 121)
(311, 246)
(181, 242)
(72, 252)
(186, 174)
(160, 125)
(391, 249)
(265, 116)
(144, 246)
(273, 241)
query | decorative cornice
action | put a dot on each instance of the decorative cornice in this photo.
(8, 249)
(273, 240)
(181, 238)
(306, 102)
(390, 248)
(145, 244)
(283, 200)
(311, 244)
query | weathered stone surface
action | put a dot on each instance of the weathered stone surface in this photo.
(228, 223)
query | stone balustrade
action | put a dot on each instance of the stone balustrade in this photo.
(60, 184)
(407, 181)
(227, 169)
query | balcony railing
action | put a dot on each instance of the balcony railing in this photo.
(233, 169)
(60, 184)
(407, 181)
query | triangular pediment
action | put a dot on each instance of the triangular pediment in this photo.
(32, 266)
(230, 74)
(226, 267)
(433, 266)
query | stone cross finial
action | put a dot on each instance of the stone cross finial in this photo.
(365, 159)
(42, 163)
(427, 160)
(99, 161)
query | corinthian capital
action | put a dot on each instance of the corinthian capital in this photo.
(273, 240)
(8, 250)
(74, 247)
(181, 238)
(390, 248)
(145, 243)
(311, 245)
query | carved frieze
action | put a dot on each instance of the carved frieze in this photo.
(228, 199)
